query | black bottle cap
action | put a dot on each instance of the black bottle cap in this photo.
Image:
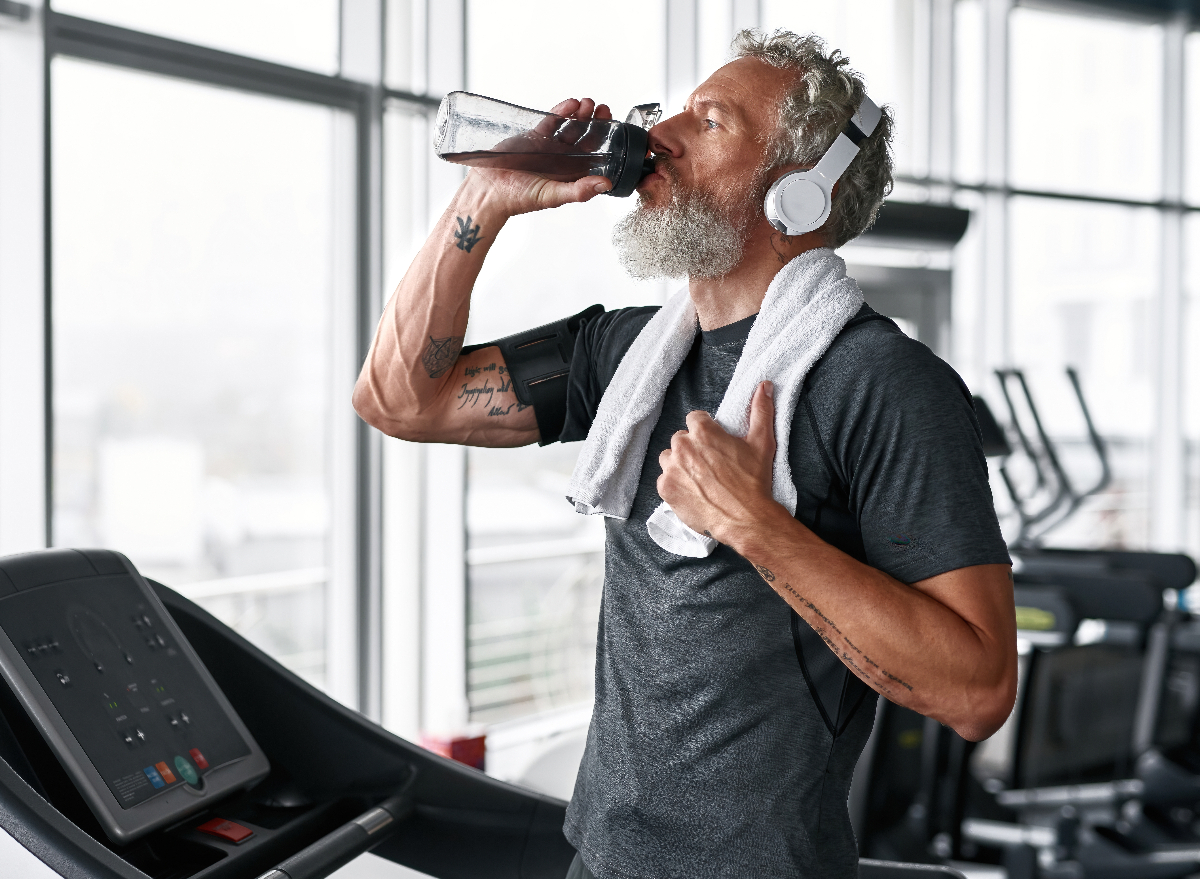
(635, 165)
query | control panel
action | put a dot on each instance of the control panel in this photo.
(116, 690)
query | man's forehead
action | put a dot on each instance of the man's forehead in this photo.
(746, 87)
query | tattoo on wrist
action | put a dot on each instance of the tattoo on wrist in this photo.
(465, 236)
(869, 669)
(440, 355)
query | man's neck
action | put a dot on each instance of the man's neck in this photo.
(739, 294)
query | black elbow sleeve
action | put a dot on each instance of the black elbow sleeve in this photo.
(538, 362)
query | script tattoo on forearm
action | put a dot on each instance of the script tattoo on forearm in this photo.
(465, 236)
(471, 393)
(440, 355)
(880, 676)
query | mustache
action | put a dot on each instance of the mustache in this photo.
(663, 165)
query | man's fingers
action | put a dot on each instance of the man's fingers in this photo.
(586, 108)
(699, 419)
(603, 111)
(761, 435)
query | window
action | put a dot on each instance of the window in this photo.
(299, 33)
(880, 38)
(534, 566)
(203, 289)
(1191, 116)
(1086, 98)
(1082, 287)
(970, 55)
(1191, 381)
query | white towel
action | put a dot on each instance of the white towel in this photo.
(806, 306)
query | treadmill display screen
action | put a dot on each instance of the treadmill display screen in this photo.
(114, 673)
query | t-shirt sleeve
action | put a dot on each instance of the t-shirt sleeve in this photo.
(599, 347)
(903, 437)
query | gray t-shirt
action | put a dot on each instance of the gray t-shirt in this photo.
(725, 733)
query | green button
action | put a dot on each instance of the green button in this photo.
(187, 770)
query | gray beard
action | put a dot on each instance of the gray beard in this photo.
(689, 238)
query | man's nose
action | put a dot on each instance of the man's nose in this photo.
(663, 139)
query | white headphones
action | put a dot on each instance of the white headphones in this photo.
(800, 201)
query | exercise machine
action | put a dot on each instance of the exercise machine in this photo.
(1096, 774)
(140, 738)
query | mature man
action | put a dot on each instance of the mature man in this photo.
(734, 690)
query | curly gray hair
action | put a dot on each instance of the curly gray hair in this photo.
(814, 112)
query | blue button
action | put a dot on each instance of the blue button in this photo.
(155, 778)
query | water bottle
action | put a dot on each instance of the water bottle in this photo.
(487, 133)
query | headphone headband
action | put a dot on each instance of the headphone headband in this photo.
(800, 201)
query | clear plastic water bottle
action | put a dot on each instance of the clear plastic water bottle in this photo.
(487, 133)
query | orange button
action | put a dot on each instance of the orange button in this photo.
(167, 775)
(226, 830)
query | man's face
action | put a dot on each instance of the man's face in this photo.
(696, 212)
(717, 144)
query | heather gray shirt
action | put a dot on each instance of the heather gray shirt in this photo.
(725, 733)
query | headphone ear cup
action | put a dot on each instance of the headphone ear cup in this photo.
(798, 202)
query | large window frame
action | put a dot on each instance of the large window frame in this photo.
(32, 36)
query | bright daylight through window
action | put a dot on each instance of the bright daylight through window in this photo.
(196, 271)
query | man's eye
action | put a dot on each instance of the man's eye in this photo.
(710, 124)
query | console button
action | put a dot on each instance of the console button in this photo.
(155, 778)
(165, 771)
(226, 830)
(135, 698)
(63, 677)
(198, 758)
(187, 770)
(113, 707)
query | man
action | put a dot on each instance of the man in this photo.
(734, 692)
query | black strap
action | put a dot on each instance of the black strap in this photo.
(856, 134)
(539, 362)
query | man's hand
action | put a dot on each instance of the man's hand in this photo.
(718, 484)
(520, 192)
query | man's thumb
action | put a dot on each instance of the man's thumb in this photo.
(761, 434)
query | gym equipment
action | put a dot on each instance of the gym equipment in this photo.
(117, 692)
(800, 201)
(1065, 499)
(1096, 774)
(336, 785)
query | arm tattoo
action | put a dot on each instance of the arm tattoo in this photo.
(824, 625)
(465, 236)
(470, 394)
(441, 354)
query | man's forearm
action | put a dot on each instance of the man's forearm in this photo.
(898, 638)
(421, 332)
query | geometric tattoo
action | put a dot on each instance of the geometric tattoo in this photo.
(441, 354)
(465, 235)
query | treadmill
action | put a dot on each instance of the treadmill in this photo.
(141, 738)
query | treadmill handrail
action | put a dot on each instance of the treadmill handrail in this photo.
(339, 847)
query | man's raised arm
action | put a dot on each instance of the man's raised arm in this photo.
(414, 383)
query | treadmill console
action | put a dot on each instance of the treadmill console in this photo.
(115, 689)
